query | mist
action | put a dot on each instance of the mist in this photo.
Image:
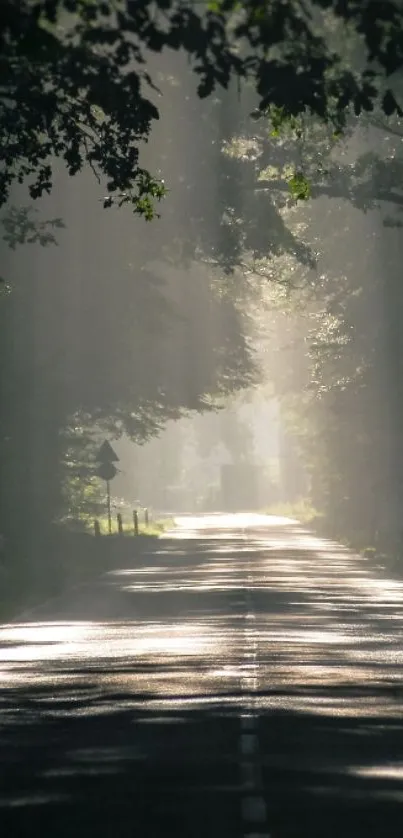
(183, 470)
(201, 448)
(248, 327)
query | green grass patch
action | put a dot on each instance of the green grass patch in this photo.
(70, 555)
(154, 528)
(301, 510)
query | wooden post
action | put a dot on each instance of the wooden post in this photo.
(120, 523)
(108, 505)
(97, 529)
(136, 522)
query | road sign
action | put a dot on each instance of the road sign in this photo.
(106, 454)
(107, 471)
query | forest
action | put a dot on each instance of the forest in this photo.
(197, 199)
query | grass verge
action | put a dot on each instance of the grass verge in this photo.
(381, 555)
(63, 558)
(301, 510)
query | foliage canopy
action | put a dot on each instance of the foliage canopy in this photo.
(75, 83)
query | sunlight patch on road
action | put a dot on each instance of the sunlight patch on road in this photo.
(359, 706)
(52, 642)
(390, 771)
(41, 641)
(44, 632)
(35, 799)
(187, 587)
(229, 521)
(99, 668)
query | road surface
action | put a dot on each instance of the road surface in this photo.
(243, 679)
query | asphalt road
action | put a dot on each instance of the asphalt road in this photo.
(244, 679)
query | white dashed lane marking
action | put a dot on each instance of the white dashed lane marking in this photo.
(254, 809)
(249, 744)
(248, 722)
(253, 806)
(248, 776)
(258, 835)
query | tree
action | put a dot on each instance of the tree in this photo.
(126, 346)
(126, 354)
(80, 88)
(336, 359)
(330, 331)
(76, 84)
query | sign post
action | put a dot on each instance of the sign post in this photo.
(106, 459)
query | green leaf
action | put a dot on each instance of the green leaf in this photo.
(299, 187)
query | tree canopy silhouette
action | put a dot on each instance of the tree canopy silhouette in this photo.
(75, 83)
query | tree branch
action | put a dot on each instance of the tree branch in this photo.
(328, 191)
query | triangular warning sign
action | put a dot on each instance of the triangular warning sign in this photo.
(106, 454)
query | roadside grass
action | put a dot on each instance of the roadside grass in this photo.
(154, 528)
(85, 524)
(301, 510)
(67, 556)
(381, 554)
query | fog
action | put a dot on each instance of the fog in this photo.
(184, 468)
(242, 329)
(201, 447)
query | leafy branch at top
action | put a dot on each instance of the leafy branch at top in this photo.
(75, 81)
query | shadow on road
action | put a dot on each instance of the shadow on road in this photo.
(108, 769)
(131, 726)
(117, 773)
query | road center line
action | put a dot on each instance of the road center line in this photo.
(254, 809)
(248, 722)
(258, 835)
(248, 776)
(249, 744)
